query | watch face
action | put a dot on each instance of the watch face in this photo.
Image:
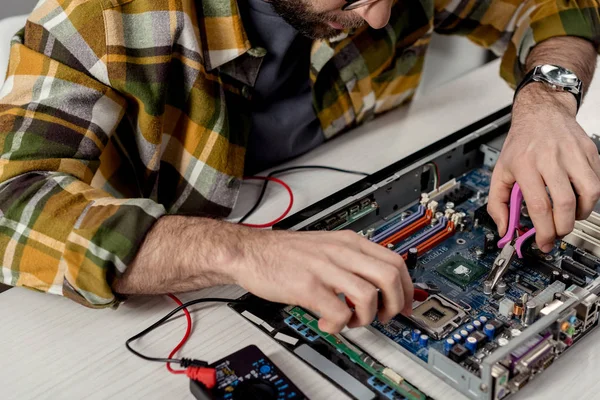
(558, 75)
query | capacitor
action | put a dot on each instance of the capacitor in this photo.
(448, 344)
(464, 333)
(423, 340)
(490, 331)
(502, 341)
(439, 215)
(518, 308)
(470, 328)
(487, 287)
(414, 335)
(479, 253)
(412, 258)
(489, 244)
(566, 278)
(483, 319)
(457, 338)
(555, 276)
(501, 287)
(471, 344)
(530, 313)
(449, 205)
(478, 325)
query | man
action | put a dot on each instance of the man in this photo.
(125, 122)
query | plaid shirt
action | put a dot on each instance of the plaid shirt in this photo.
(116, 112)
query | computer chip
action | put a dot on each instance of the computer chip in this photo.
(461, 271)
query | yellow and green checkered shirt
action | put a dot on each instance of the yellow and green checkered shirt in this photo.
(116, 112)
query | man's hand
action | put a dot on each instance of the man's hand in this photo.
(546, 147)
(308, 269)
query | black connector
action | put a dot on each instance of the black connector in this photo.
(484, 218)
(585, 258)
(576, 268)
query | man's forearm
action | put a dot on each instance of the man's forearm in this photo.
(182, 254)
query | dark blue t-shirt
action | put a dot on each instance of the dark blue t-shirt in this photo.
(284, 123)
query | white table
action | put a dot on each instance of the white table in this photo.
(53, 348)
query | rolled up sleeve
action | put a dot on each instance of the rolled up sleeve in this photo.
(511, 29)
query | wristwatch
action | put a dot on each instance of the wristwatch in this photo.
(558, 78)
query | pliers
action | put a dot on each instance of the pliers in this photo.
(511, 243)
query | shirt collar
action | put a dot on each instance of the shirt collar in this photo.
(222, 32)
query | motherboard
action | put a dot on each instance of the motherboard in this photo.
(487, 340)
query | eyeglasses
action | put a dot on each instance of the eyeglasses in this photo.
(354, 4)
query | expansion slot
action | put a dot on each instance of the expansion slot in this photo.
(391, 378)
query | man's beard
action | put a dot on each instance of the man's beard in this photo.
(313, 24)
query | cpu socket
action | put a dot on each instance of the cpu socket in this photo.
(437, 316)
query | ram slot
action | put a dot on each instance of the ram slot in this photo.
(398, 225)
(423, 237)
(409, 230)
(436, 240)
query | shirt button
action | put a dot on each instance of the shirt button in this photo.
(232, 182)
(257, 52)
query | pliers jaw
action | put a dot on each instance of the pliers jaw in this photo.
(501, 264)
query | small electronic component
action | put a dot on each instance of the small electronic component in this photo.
(437, 316)
(461, 271)
(412, 258)
(448, 344)
(457, 338)
(480, 338)
(487, 287)
(484, 217)
(423, 340)
(414, 335)
(394, 327)
(501, 288)
(478, 325)
(531, 313)
(458, 195)
(458, 353)
(518, 309)
(490, 331)
(471, 344)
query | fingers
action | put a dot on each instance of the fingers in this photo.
(563, 199)
(383, 268)
(380, 275)
(539, 208)
(334, 313)
(499, 197)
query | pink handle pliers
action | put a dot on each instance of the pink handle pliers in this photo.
(511, 243)
(516, 199)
